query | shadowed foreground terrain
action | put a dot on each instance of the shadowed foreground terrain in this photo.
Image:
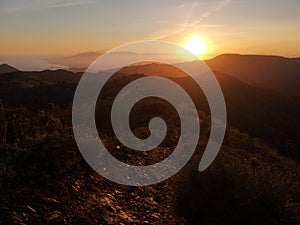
(45, 180)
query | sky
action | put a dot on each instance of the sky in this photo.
(54, 27)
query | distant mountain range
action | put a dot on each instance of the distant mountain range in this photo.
(271, 72)
(78, 62)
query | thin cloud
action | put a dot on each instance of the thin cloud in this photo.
(191, 24)
(35, 5)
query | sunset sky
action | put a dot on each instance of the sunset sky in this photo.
(34, 27)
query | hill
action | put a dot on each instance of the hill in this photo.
(33, 78)
(154, 69)
(272, 72)
(5, 68)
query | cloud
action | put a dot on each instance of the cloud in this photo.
(35, 5)
(124, 53)
(190, 22)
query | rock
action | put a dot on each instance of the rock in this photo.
(54, 215)
(31, 209)
(51, 200)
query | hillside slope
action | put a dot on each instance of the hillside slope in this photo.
(271, 72)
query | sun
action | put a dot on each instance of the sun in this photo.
(196, 45)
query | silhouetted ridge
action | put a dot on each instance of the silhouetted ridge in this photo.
(5, 68)
(273, 72)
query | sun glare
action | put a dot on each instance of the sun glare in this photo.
(196, 45)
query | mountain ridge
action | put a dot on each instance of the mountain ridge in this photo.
(272, 72)
(277, 73)
(5, 68)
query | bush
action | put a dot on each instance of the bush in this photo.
(231, 192)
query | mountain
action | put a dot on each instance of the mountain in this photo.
(5, 68)
(154, 69)
(54, 76)
(35, 89)
(33, 78)
(272, 72)
(78, 62)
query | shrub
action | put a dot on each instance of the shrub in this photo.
(231, 192)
